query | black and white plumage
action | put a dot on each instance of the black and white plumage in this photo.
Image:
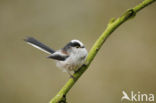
(35, 43)
(70, 58)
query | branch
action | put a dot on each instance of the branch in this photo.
(112, 25)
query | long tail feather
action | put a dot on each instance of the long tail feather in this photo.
(35, 43)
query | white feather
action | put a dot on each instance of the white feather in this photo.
(38, 48)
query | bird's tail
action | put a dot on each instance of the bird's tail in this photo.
(35, 43)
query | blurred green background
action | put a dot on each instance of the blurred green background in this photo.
(127, 61)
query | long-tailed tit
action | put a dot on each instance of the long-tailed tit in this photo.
(70, 58)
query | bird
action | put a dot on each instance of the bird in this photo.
(125, 96)
(69, 58)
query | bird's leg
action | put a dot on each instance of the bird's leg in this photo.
(84, 65)
(70, 74)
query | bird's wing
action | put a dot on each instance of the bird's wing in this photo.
(58, 55)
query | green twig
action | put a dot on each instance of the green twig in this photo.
(112, 25)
